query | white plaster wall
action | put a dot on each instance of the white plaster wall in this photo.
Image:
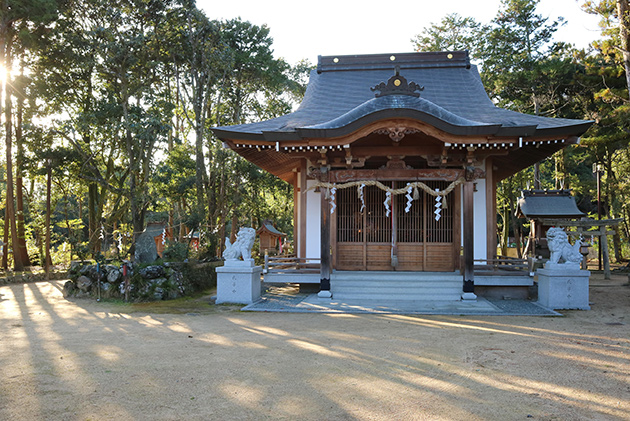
(313, 221)
(296, 224)
(480, 221)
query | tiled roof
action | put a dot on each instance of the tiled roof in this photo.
(268, 225)
(535, 204)
(339, 99)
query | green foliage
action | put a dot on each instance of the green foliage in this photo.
(175, 251)
(200, 276)
(453, 33)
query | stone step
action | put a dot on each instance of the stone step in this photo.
(375, 288)
(397, 297)
(398, 276)
(396, 284)
(387, 286)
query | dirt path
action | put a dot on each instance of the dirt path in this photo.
(82, 360)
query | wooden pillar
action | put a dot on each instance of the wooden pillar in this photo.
(469, 275)
(296, 216)
(491, 210)
(603, 240)
(394, 249)
(302, 199)
(325, 267)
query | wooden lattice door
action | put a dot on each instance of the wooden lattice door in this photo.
(368, 238)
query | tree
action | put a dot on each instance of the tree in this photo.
(623, 13)
(249, 89)
(453, 33)
(119, 87)
(608, 140)
(197, 58)
(20, 21)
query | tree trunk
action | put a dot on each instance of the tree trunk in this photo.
(537, 164)
(200, 165)
(47, 260)
(5, 241)
(517, 230)
(505, 235)
(623, 11)
(10, 209)
(234, 229)
(19, 190)
(94, 244)
(135, 202)
(212, 205)
(3, 34)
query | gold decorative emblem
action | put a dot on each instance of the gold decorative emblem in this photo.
(397, 85)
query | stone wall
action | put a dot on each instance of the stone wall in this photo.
(143, 283)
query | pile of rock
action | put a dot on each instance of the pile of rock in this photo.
(150, 283)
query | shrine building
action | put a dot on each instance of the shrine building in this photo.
(394, 160)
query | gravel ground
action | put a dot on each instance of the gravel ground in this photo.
(83, 360)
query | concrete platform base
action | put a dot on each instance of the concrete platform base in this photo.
(239, 284)
(563, 288)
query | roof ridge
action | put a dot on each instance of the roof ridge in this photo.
(415, 60)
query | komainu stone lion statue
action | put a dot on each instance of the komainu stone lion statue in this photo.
(242, 247)
(560, 248)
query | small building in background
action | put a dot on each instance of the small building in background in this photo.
(270, 238)
(539, 205)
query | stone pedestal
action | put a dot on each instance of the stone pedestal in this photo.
(563, 287)
(238, 282)
(469, 296)
(324, 294)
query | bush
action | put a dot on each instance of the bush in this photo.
(175, 251)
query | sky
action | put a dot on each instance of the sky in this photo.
(304, 30)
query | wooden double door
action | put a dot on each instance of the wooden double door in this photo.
(368, 237)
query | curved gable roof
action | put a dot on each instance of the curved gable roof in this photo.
(340, 99)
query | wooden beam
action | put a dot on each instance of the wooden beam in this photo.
(345, 176)
(325, 268)
(302, 198)
(469, 222)
(296, 215)
(406, 123)
(457, 228)
(491, 211)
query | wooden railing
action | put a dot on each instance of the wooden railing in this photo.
(288, 264)
(503, 265)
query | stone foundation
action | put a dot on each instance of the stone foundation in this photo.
(238, 282)
(563, 287)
